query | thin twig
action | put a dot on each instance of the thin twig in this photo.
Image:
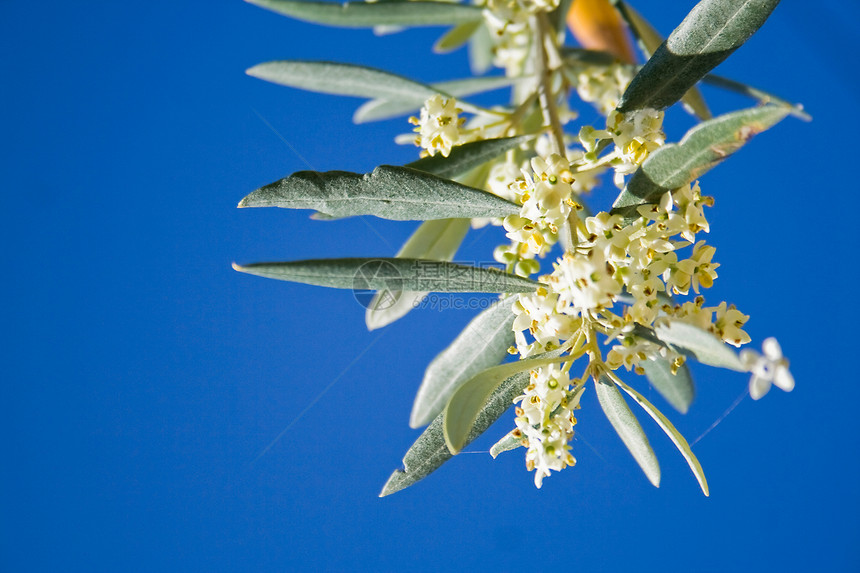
(544, 73)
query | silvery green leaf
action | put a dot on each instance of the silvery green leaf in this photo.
(674, 435)
(379, 109)
(368, 274)
(390, 192)
(482, 344)
(676, 388)
(558, 17)
(702, 148)
(470, 86)
(481, 51)
(707, 36)
(700, 344)
(343, 79)
(649, 40)
(456, 37)
(466, 157)
(628, 428)
(370, 14)
(434, 240)
(755, 93)
(430, 450)
(466, 402)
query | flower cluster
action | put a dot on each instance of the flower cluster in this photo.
(439, 126)
(622, 275)
(545, 420)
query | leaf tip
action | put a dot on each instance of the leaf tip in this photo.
(393, 485)
(253, 71)
(237, 267)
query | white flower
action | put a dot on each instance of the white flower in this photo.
(728, 323)
(439, 127)
(585, 282)
(772, 368)
(548, 192)
(545, 419)
(607, 233)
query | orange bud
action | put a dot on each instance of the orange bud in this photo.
(596, 25)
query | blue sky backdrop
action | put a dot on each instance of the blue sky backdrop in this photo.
(143, 377)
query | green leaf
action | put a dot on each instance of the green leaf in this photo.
(456, 37)
(707, 36)
(343, 79)
(700, 344)
(575, 56)
(481, 51)
(755, 93)
(430, 451)
(379, 109)
(649, 40)
(466, 402)
(511, 441)
(432, 240)
(369, 14)
(628, 428)
(674, 435)
(677, 388)
(390, 192)
(464, 158)
(702, 148)
(482, 344)
(391, 273)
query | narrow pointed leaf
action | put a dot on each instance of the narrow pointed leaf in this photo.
(456, 37)
(379, 109)
(625, 423)
(482, 344)
(342, 79)
(466, 402)
(367, 274)
(430, 451)
(755, 93)
(700, 344)
(649, 40)
(433, 240)
(572, 56)
(701, 149)
(674, 435)
(707, 36)
(481, 51)
(390, 192)
(370, 14)
(677, 388)
(464, 158)
(511, 441)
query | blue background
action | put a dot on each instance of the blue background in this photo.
(142, 376)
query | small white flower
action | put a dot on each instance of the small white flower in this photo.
(439, 127)
(585, 282)
(772, 368)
